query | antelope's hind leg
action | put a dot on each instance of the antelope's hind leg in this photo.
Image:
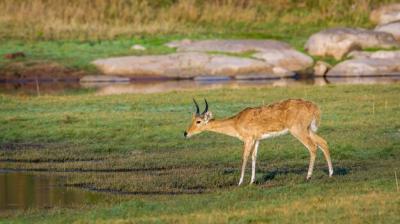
(304, 137)
(323, 145)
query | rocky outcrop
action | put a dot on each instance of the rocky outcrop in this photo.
(212, 57)
(368, 64)
(392, 28)
(185, 64)
(337, 42)
(386, 14)
(280, 55)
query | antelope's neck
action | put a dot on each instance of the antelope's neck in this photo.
(225, 126)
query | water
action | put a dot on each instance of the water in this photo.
(144, 87)
(21, 191)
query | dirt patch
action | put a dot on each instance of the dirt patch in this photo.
(38, 70)
(81, 170)
(20, 146)
(49, 160)
(92, 187)
(270, 175)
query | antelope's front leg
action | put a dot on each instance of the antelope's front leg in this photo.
(248, 145)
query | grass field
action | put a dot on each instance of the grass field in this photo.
(134, 143)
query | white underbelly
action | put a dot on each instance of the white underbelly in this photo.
(274, 134)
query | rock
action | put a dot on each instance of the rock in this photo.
(287, 59)
(273, 52)
(365, 67)
(103, 78)
(392, 28)
(282, 72)
(337, 42)
(376, 54)
(138, 47)
(185, 64)
(321, 68)
(386, 14)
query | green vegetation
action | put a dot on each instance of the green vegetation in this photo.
(75, 33)
(140, 139)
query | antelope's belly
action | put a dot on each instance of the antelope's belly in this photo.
(274, 134)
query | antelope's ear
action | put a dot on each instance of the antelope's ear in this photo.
(208, 116)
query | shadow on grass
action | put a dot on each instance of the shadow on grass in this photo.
(270, 175)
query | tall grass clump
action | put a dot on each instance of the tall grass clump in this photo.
(106, 19)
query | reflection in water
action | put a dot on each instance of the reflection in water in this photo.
(43, 88)
(185, 85)
(107, 88)
(25, 191)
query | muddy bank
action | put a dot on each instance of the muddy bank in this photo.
(43, 71)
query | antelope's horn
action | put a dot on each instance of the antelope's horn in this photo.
(197, 107)
(206, 109)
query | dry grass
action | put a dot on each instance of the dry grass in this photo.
(103, 19)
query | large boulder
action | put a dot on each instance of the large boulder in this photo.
(337, 42)
(386, 14)
(288, 59)
(279, 54)
(392, 28)
(185, 64)
(368, 64)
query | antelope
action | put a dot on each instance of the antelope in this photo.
(298, 117)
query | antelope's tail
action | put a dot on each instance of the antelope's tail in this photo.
(315, 122)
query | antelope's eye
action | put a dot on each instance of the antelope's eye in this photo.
(198, 122)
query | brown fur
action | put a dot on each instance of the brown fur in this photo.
(253, 124)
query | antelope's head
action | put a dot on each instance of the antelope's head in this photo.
(199, 120)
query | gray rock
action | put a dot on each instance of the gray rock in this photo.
(376, 54)
(275, 53)
(337, 42)
(392, 28)
(386, 14)
(321, 68)
(288, 59)
(365, 67)
(188, 64)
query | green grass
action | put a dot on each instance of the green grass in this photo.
(145, 132)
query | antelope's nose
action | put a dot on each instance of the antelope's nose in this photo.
(185, 134)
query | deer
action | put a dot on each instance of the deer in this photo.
(298, 117)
